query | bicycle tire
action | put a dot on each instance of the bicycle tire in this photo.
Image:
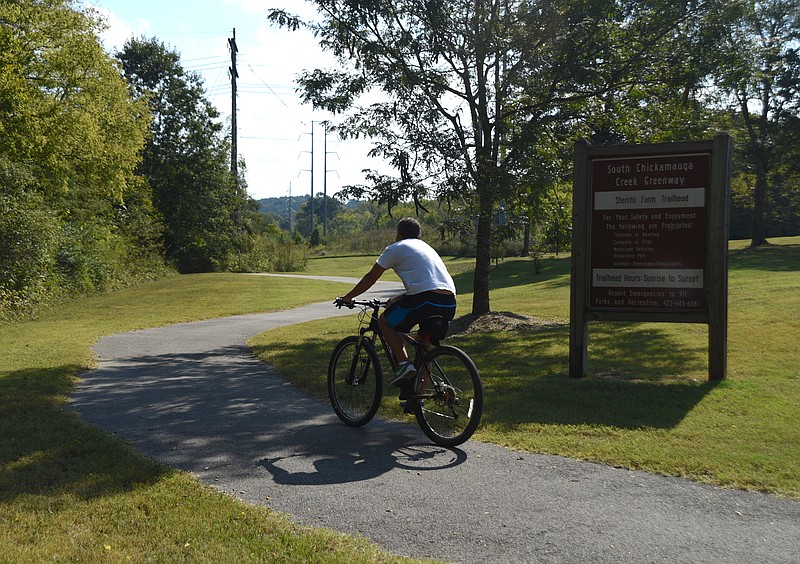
(355, 381)
(449, 399)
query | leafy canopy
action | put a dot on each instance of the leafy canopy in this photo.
(460, 94)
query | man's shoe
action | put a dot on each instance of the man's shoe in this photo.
(405, 372)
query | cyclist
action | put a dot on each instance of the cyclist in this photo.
(429, 289)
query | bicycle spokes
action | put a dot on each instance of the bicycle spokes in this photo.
(451, 405)
(355, 381)
(447, 397)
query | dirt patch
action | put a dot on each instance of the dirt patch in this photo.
(499, 321)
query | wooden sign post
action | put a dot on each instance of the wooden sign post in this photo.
(650, 240)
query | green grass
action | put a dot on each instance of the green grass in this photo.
(647, 403)
(69, 492)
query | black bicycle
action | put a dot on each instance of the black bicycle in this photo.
(446, 396)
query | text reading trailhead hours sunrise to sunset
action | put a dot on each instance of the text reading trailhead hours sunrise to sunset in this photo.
(649, 232)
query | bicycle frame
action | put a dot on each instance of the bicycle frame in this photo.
(420, 345)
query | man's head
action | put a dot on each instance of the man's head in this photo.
(408, 228)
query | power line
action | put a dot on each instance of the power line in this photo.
(267, 85)
(220, 57)
(205, 67)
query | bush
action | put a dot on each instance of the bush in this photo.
(43, 260)
(28, 231)
(276, 253)
(289, 257)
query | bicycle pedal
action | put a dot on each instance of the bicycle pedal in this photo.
(406, 389)
(407, 406)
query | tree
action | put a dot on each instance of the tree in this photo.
(70, 137)
(470, 86)
(322, 206)
(761, 72)
(187, 161)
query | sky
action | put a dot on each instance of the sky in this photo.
(274, 127)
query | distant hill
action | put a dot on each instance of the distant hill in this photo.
(279, 206)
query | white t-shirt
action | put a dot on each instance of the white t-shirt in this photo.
(419, 266)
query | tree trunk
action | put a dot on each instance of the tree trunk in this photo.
(757, 130)
(759, 230)
(483, 258)
(526, 240)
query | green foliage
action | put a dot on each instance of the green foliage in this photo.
(29, 233)
(532, 78)
(472, 90)
(761, 73)
(316, 238)
(186, 161)
(272, 252)
(287, 256)
(70, 137)
(279, 210)
(324, 208)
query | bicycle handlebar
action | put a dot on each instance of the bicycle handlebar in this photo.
(375, 304)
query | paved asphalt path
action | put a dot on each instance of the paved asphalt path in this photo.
(194, 397)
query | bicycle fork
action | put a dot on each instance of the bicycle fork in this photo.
(353, 379)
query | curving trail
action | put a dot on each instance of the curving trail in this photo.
(193, 396)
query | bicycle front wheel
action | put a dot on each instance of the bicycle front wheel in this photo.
(449, 400)
(355, 381)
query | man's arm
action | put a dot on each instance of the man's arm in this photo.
(365, 283)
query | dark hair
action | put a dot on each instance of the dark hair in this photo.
(408, 228)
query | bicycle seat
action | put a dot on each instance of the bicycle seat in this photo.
(435, 327)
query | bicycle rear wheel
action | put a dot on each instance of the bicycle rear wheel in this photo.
(449, 400)
(355, 381)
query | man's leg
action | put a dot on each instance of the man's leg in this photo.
(395, 340)
(405, 370)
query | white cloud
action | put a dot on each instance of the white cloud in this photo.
(299, 7)
(118, 30)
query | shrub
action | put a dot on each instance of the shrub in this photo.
(28, 232)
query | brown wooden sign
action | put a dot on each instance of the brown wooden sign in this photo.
(650, 240)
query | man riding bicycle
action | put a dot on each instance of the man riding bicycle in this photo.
(430, 291)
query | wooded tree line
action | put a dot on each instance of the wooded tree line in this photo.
(115, 168)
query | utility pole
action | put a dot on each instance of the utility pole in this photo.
(311, 170)
(234, 75)
(311, 233)
(325, 183)
(291, 230)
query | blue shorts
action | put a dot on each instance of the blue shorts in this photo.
(409, 311)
